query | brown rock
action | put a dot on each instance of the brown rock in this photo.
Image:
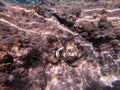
(118, 55)
(103, 23)
(89, 26)
(94, 15)
(96, 34)
(111, 35)
(117, 32)
(103, 11)
(105, 47)
(43, 10)
(115, 42)
(117, 48)
(71, 52)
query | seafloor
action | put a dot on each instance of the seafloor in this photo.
(60, 46)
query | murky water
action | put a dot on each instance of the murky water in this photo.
(22, 1)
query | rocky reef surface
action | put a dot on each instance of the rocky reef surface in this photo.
(60, 46)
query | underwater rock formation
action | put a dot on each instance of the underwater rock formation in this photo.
(46, 47)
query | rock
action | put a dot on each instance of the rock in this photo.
(96, 34)
(116, 85)
(4, 78)
(104, 70)
(5, 58)
(10, 78)
(115, 42)
(103, 11)
(29, 57)
(70, 54)
(103, 23)
(118, 55)
(89, 26)
(40, 11)
(2, 4)
(44, 10)
(104, 17)
(84, 34)
(111, 35)
(117, 48)
(117, 32)
(105, 47)
(94, 15)
(7, 67)
(34, 41)
(52, 59)
(74, 11)
(52, 39)
(69, 15)
(72, 18)
(53, 11)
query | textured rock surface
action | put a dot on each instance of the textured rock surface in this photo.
(32, 37)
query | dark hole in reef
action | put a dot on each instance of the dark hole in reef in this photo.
(63, 21)
(97, 41)
(32, 58)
